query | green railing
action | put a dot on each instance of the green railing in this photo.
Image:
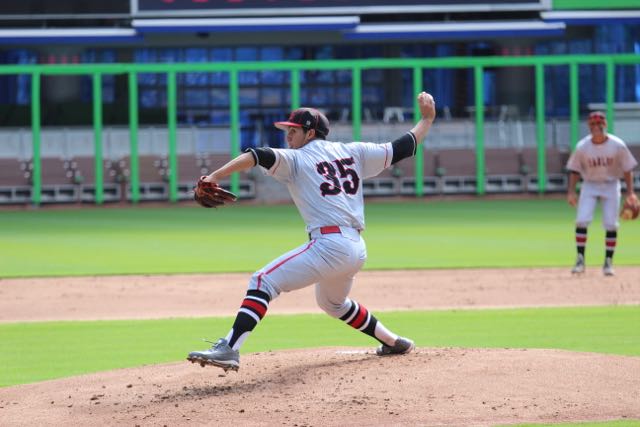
(478, 64)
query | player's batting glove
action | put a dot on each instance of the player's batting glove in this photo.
(211, 195)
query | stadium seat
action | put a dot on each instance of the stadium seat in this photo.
(457, 167)
(11, 173)
(503, 172)
(151, 176)
(555, 161)
(84, 176)
(15, 181)
(58, 184)
(431, 182)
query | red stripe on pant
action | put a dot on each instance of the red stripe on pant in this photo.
(282, 262)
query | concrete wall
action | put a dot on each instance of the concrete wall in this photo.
(73, 142)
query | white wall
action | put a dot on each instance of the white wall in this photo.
(75, 142)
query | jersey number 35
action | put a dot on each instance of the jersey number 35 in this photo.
(350, 179)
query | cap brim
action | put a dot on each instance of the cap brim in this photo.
(286, 125)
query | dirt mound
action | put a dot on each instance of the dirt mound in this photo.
(343, 386)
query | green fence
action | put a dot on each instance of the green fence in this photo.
(478, 64)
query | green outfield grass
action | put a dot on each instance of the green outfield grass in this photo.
(623, 423)
(40, 351)
(415, 234)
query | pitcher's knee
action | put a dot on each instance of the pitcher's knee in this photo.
(262, 283)
(333, 309)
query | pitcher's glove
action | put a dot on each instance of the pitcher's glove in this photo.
(211, 195)
(630, 209)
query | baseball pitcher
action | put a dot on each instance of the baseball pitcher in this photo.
(601, 159)
(325, 182)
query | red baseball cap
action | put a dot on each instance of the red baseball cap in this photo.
(306, 118)
(597, 117)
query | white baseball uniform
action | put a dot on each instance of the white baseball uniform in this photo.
(601, 167)
(325, 182)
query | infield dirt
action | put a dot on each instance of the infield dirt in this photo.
(332, 386)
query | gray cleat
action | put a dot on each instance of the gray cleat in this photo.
(607, 268)
(220, 355)
(401, 346)
(579, 267)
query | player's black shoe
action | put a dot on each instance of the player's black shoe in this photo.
(401, 346)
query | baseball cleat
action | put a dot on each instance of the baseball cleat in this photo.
(579, 267)
(607, 268)
(220, 355)
(401, 346)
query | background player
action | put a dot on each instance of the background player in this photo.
(601, 159)
(325, 182)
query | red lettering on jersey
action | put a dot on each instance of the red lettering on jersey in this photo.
(600, 161)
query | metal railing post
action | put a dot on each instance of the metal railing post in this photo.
(295, 89)
(540, 130)
(97, 138)
(478, 73)
(172, 111)
(134, 158)
(36, 172)
(419, 160)
(356, 103)
(234, 105)
(574, 103)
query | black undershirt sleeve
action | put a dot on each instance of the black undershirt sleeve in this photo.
(263, 156)
(404, 147)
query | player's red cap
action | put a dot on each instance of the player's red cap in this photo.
(597, 117)
(307, 118)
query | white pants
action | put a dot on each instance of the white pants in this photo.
(330, 261)
(609, 194)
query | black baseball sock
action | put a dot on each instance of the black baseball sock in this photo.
(581, 239)
(253, 309)
(610, 243)
(358, 317)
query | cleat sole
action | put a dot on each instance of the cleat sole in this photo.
(204, 362)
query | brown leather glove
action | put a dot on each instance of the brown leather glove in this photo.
(211, 195)
(630, 209)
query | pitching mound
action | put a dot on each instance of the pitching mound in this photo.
(343, 386)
